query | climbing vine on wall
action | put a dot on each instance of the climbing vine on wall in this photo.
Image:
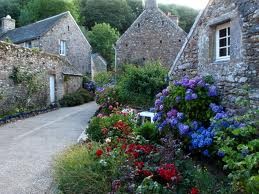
(30, 80)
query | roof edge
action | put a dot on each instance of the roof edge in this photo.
(189, 37)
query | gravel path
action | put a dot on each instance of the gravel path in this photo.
(27, 147)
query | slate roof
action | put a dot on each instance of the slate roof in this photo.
(32, 31)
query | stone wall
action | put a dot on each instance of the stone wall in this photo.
(152, 37)
(197, 56)
(78, 48)
(72, 83)
(39, 66)
(98, 64)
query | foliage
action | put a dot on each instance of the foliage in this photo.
(141, 84)
(186, 15)
(117, 13)
(148, 186)
(148, 131)
(77, 171)
(101, 127)
(108, 100)
(103, 78)
(35, 10)
(11, 7)
(102, 37)
(31, 81)
(238, 145)
(184, 108)
(77, 98)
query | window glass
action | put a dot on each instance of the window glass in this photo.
(223, 38)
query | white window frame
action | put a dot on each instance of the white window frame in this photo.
(62, 47)
(27, 44)
(228, 45)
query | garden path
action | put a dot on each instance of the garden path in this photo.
(27, 147)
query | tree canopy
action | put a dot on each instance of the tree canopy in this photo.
(36, 10)
(102, 37)
(115, 12)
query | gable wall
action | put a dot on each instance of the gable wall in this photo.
(141, 42)
(198, 57)
(78, 49)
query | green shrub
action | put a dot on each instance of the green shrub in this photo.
(238, 144)
(78, 170)
(80, 97)
(137, 86)
(103, 78)
(98, 123)
(148, 131)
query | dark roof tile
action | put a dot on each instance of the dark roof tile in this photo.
(32, 31)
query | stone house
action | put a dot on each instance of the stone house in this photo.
(154, 36)
(224, 43)
(98, 64)
(39, 79)
(59, 35)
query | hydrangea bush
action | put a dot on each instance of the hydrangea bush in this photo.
(185, 108)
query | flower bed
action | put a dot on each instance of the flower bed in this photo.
(158, 158)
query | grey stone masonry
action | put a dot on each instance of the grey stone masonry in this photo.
(198, 55)
(78, 49)
(53, 35)
(7, 23)
(152, 37)
(15, 96)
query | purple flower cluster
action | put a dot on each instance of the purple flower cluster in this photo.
(190, 95)
(192, 84)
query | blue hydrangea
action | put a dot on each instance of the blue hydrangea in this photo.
(183, 129)
(206, 153)
(221, 154)
(213, 91)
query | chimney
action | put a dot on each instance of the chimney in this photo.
(174, 18)
(151, 4)
(7, 23)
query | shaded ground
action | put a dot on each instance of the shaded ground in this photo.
(27, 147)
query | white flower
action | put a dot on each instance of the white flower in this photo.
(108, 140)
(103, 163)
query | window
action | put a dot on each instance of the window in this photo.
(138, 25)
(62, 49)
(28, 44)
(223, 42)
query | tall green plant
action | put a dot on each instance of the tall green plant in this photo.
(137, 86)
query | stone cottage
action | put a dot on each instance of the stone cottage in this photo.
(154, 36)
(59, 35)
(31, 79)
(98, 64)
(224, 43)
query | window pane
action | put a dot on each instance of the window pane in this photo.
(223, 33)
(228, 51)
(228, 41)
(229, 31)
(222, 42)
(223, 52)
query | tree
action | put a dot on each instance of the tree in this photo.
(186, 15)
(102, 37)
(117, 13)
(11, 7)
(136, 6)
(36, 10)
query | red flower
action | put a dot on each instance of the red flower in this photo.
(110, 107)
(194, 191)
(168, 172)
(146, 173)
(139, 165)
(108, 149)
(99, 153)
(104, 131)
